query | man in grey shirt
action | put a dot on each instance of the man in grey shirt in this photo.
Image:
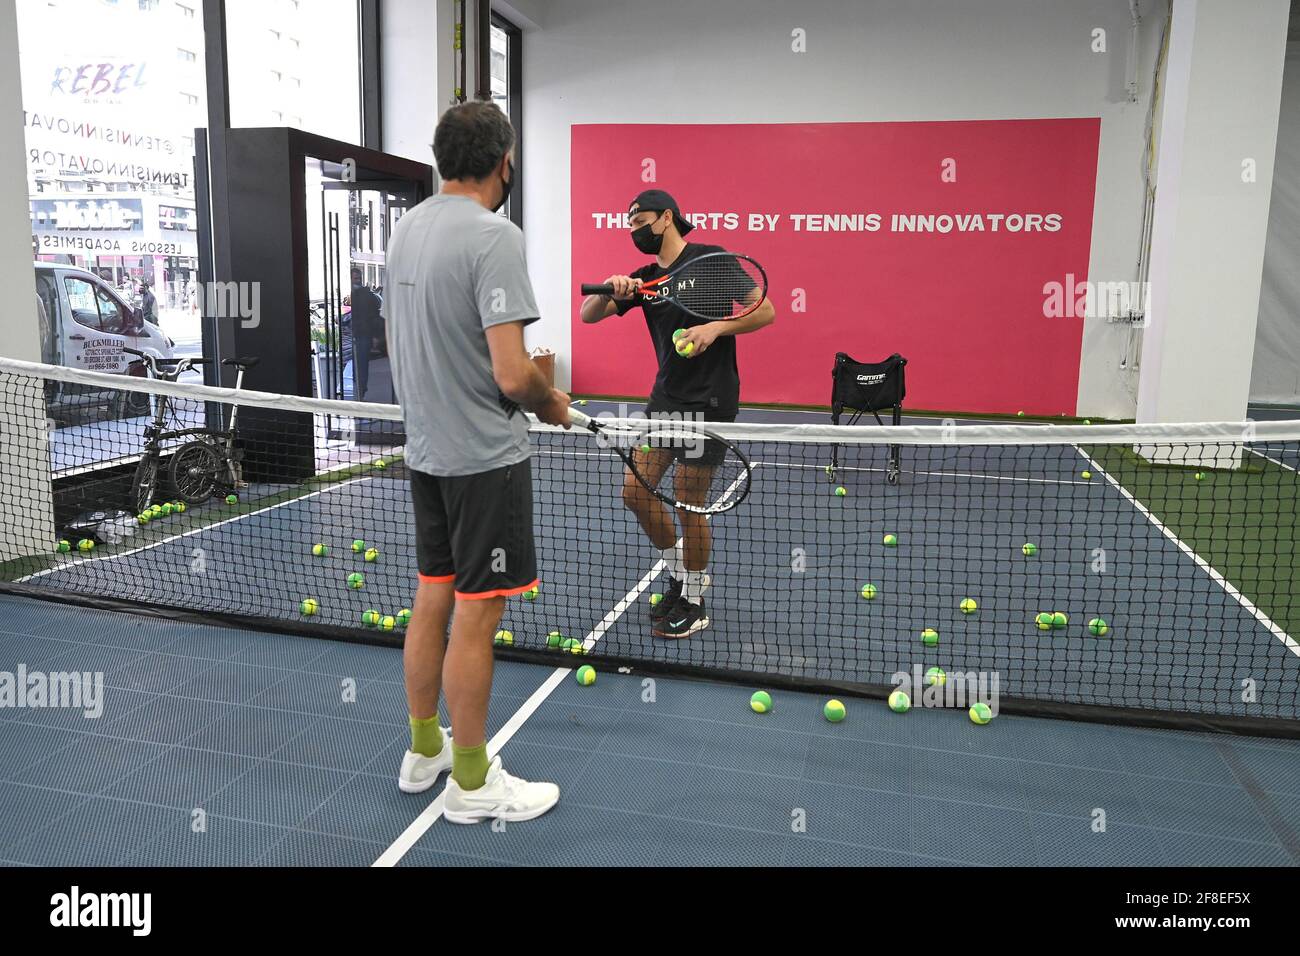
(456, 302)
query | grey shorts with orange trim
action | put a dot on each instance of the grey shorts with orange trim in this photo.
(476, 530)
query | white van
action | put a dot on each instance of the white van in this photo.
(85, 324)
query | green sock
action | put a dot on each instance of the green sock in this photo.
(469, 765)
(426, 736)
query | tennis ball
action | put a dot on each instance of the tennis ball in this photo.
(372, 554)
(645, 449)
(358, 546)
(686, 349)
(387, 622)
(180, 507)
(1085, 475)
(981, 714)
(64, 547)
(930, 637)
(167, 509)
(503, 637)
(936, 675)
(841, 491)
(1020, 414)
(678, 333)
(656, 600)
(1029, 549)
(320, 550)
(1200, 476)
(309, 607)
(585, 675)
(370, 618)
(1087, 421)
(1059, 619)
(404, 617)
(531, 593)
(143, 517)
(554, 639)
(1099, 627)
(155, 511)
(86, 544)
(899, 702)
(232, 499)
(356, 580)
(582, 401)
(968, 606)
(760, 702)
(834, 711)
(381, 464)
(868, 591)
(1044, 621)
(573, 646)
(891, 540)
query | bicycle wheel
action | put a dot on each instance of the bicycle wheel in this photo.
(196, 471)
(146, 481)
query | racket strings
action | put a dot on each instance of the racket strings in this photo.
(717, 287)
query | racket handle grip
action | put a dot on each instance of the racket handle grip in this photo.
(578, 418)
(588, 289)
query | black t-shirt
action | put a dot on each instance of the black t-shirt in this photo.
(708, 382)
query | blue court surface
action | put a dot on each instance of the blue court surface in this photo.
(225, 746)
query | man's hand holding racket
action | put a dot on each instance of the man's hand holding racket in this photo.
(554, 410)
(622, 287)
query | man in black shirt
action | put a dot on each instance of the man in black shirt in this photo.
(705, 386)
(366, 324)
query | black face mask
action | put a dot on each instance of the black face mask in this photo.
(647, 240)
(506, 186)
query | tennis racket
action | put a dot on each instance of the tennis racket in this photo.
(716, 285)
(684, 466)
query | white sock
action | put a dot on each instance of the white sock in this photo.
(693, 586)
(673, 561)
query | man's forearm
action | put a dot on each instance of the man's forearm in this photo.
(595, 308)
(535, 391)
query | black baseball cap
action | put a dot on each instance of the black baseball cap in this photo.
(656, 200)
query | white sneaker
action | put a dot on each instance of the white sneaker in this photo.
(501, 797)
(419, 772)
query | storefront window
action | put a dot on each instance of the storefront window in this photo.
(110, 109)
(295, 64)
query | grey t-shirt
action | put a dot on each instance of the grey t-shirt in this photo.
(454, 269)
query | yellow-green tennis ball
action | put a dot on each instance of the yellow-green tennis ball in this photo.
(936, 675)
(760, 702)
(143, 517)
(582, 401)
(503, 637)
(1099, 627)
(64, 547)
(356, 580)
(309, 607)
(404, 617)
(686, 349)
(1086, 475)
(1029, 549)
(981, 714)
(585, 675)
(232, 499)
(387, 622)
(1020, 414)
(834, 711)
(180, 507)
(531, 594)
(656, 599)
(167, 509)
(1044, 621)
(554, 639)
(86, 544)
(891, 540)
(155, 510)
(370, 618)
(645, 449)
(930, 637)
(372, 554)
(899, 702)
(1059, 619)
(840, 491)
(868, 591)
(1087, 421)
(678, 333)
(968, 606)
(381, 464)
(320, 550)
(573, 646)
(358, 546)
(1200, 476)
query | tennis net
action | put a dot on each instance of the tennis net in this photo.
(1164, 557)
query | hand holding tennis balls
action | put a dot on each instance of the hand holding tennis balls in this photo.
(691, 342)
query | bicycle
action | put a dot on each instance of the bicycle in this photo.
(208, 461)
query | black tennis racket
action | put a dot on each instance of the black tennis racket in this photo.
(684, 466)
(716, 285)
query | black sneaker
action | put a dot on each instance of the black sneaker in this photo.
(686, 618)
(671, 596)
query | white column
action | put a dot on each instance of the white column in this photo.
(1217, 134)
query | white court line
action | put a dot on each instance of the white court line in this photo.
(1280, 464)
(1204, 565)
(421, 824)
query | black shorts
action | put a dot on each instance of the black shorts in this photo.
(690, 453)
(476, 531)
